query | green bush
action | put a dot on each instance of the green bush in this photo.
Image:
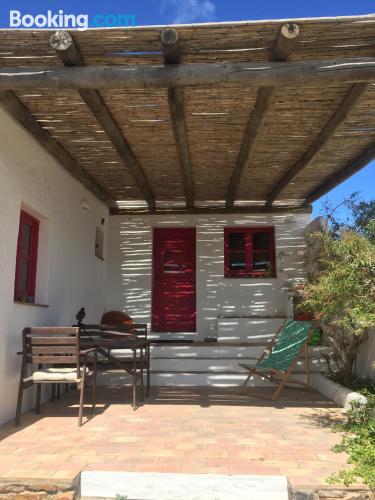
(359, 437)
(342, 294)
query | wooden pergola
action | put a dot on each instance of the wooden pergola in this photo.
(262, 115)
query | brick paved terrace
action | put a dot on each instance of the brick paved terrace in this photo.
(187, 430)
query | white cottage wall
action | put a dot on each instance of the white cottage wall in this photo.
(129, 279)
(69, 274)
(365, 364)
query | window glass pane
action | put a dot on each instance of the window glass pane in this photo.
(261, 241)
(237, 261)
(262, 262)
(236, 241)
(23, 275)
(26, 240)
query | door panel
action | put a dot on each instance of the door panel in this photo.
(174, 282)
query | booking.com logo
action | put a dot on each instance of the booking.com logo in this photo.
(60, 19)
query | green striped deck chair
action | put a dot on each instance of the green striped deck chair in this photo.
(281, 356)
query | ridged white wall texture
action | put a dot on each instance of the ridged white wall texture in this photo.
(129, 279)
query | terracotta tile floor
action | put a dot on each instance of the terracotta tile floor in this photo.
(192, 430)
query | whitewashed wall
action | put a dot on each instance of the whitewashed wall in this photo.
(129, 280)
(69, 274)
(365, 365)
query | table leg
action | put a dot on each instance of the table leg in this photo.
(148, 369)
(141, 372)
(134, 379)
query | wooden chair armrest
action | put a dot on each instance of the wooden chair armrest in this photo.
(117, 333)
(85, 352)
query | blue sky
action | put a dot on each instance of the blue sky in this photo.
(171, 11)
(163, 12)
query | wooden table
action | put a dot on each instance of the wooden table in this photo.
(106, 340)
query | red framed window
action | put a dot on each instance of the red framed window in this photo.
(27, 258)
(249, 252)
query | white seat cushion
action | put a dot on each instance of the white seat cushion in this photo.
(121, 353)
(56, 375)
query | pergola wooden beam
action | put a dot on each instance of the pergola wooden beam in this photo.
(254, 125)
(22, 115)
(69, 54)
(350, 169)
(339, 116)
(169, 43)
(142, 76)
(169, 39)
(216, 210)
(284, 43)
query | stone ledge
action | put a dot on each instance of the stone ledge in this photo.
(37, 489)
(336, 392)
(334, 492)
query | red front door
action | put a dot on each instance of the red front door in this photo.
(173, 291)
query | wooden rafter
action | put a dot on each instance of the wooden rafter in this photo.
(284, 43)
(339, 116)
(254, 125)
(22, 115)
(169, 39)
(349, 170)
(69, 54)
(143, 76)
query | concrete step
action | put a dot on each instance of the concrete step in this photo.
(201, 379)
(167, 486)
(248, 329)
(217, 351)
(209, 350)
(219, 364)
(182, 379)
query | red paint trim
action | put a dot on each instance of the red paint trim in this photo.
(31, 257)
(249, 252)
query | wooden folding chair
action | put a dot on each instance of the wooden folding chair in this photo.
(59, 360)
(281, 356)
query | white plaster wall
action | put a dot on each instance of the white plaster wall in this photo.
(129, 279)
(365, 365)
(69, 274)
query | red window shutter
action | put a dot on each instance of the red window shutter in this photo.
(27, 258)
(249, 252)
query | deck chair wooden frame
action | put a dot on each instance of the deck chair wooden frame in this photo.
(274, 375)
(59, 359)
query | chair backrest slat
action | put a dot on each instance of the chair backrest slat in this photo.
(290, 341)
(53, 330)
(52, 350)
(53, 360)
(50, 346)
(54, 341)
(138, 330)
